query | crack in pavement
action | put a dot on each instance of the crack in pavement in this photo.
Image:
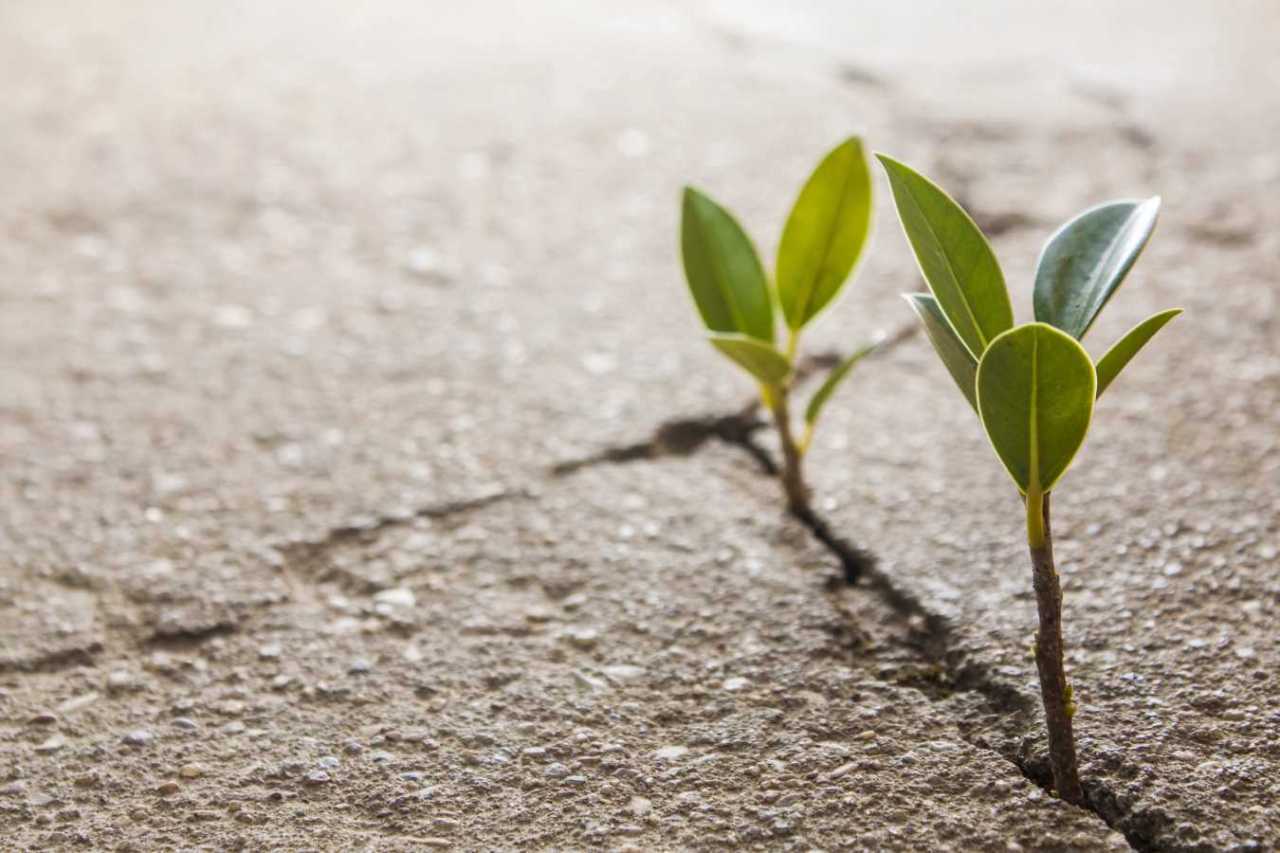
(301, 553)
(685, 436)
(932, 634)
(55, 661)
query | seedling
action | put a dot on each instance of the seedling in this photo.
(821, 242)
(1033, 386)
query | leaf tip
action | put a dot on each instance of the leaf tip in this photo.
(887, 161)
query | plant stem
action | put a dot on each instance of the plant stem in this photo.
(792, 456)
(1058, 707)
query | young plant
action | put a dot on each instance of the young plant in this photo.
(821, 243)
(1033, 386)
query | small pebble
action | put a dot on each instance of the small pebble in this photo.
(317, 777)
(185, 723)
(52, 744)
(359, 666)
(556, 771)
(396, 597)
(624, 673)
(583, 638)
(120, 680)
(138, 737)
(191, 771)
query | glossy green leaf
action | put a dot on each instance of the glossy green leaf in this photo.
(956, 260)
(959, 362)
(825, 233)
(760, 359)
(724, 273)
(1115, 359)
(1036, 387)
(1087, 259)
(833, 380)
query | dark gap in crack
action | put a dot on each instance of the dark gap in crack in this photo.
(55, 661)
(685, 436)
(855, 563)
(187, 638)
(305, 553)
(370, 527)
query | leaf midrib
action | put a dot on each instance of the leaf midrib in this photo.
(1104, 264)
(826, 250)
(982, 338)
(1033, 455)
(723, 279)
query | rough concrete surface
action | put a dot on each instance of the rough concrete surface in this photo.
(302, 305)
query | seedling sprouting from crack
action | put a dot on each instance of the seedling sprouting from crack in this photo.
(821, 243)
(1033, 386)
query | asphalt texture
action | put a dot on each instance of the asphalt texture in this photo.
(367, 483)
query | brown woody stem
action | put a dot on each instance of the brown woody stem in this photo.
(1054, 690)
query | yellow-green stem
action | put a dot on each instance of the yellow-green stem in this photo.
(775, 399)
(1035, 518)
(793, 344)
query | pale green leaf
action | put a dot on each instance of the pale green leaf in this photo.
(833, 380)
(1036, 387)
(759, 359)
(825, 233)
(1086, 260)
(959, 362)
(954, 257)
(1115, 359)
(724, 273)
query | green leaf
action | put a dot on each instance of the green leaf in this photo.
(723, 270)
(760, 359)
(825, 233)
(1036, 387)
(1115, 359)
(956, 260)
(1086, 260)
(959, 362)
(833, 380)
